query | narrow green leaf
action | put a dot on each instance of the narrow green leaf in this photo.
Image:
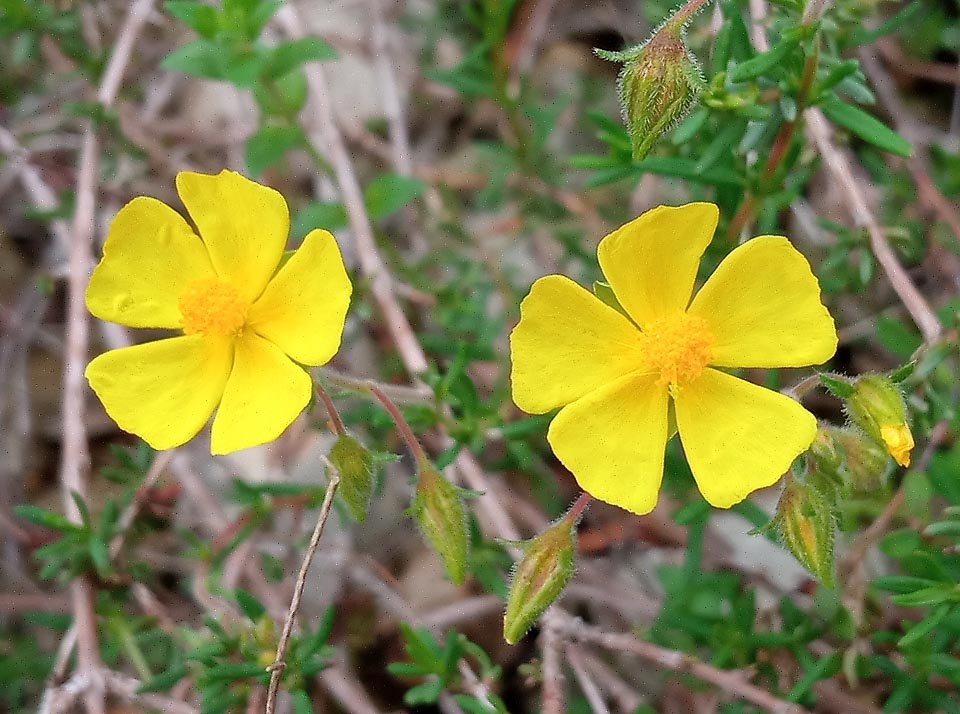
(45, 518)
(867, 127)
(764, 62)
(925, 626)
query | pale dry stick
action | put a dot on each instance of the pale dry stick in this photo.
(401, 157)
(553, 694)
(626, 697)
(327, 139)
(818, 130)
(587, 684)
(814, 11)
(347, 691)
(390, 92)
(276, 669)
(758, 31)
(160, 462)
(42, 197)
(75, 460)
(75, 463)
(730, 681)
(467, 610)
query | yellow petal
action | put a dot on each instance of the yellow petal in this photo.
(243, 224)
(763, 307)
(566, 344)
(264, 394)
(739, 437)
(149, 257)
(651, 263)
(164, 391)
(303, 307)
(613, 441)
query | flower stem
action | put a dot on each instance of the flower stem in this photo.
(402, 427)
(681, 16)
(335, 419)
(583, 500)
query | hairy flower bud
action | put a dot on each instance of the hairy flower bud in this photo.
(439, 512)
(659, 84)
(539, 577)
(804, 520)
(876, 406)
(866, 463)
(355, 464)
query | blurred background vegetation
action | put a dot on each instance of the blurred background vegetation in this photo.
(486, 142)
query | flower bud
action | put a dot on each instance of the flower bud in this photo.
(876, 406)
(825, 452)
(659, 84)
(539, 577)
(438, 510)
(355, 464)
(866, 463)
(805, 523)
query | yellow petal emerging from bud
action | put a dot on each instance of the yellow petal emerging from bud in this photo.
(876, 406)
(899, 442)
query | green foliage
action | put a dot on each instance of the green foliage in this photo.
(437, 663)
(228, 49)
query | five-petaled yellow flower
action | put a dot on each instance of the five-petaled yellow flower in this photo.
(249, 319)
(624, 382)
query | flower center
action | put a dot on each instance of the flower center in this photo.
(679, 347)
(212, 307)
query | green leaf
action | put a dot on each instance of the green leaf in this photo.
(925, 626)
(301, 703)
(866, 126)
(201, 58)
(260, 12)
(426, 693)
(319, 214)
(294, 53)
(267, 146)
(201, 18)
(928, 596)
(389, 193)
(864, 36)
(249, 605)
(764, 62)
(45, 518)
(164, 681)
(234, 671)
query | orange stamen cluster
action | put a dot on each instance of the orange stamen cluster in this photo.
(212, 307)
(679, 347)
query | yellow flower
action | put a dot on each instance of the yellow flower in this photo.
(622, 382)
(248, 318)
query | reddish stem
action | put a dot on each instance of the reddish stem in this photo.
(332, 411)
(405, 431)
(577, 508)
